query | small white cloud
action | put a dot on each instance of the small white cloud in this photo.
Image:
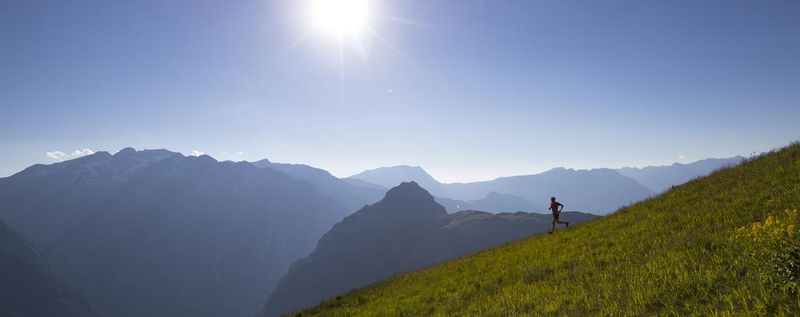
(56, 155)
(196, 153)
(61, 156)
(680, 157)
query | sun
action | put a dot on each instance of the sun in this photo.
(340, 18)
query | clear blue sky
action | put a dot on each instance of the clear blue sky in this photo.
(468, 90)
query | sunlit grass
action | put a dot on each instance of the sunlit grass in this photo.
(676, 254)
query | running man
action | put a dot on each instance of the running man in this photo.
(556, 208)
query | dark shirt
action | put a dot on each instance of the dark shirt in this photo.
(554, 206)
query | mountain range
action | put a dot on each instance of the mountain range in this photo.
(661, 178)
(599, 191)
(155, 233)
(404, 231)
(352, 195)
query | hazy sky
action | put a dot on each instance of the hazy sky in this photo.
(466, 89)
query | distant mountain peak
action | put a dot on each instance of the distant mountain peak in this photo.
(132, 153)
(557, 170)
(205, 158)
(391, 176)
(415, 171)
(125, 151)
(397, 169)
(415, 167)
(101, 154)
(262, 162)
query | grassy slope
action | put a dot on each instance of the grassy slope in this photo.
(673, 254)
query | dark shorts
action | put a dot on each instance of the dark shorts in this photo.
(555, 216)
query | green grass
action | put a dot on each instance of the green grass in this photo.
(675, 254)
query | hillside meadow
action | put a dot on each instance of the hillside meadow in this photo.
(719, 245)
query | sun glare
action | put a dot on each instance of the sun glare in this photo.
(340, 17)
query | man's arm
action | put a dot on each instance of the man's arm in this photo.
(561, 207)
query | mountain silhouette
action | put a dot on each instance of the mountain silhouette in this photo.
(28, 287)
(661, 178)
(404, 231)
(44, 201)
(363, 183)
(391, 176)
(155, 233)
(352, 195)
(597, 190)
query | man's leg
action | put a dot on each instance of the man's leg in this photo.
(559, 221)
(553, 228)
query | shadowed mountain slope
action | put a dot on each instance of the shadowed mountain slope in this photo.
(44, 201)
(28, 286)
(352, 195)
